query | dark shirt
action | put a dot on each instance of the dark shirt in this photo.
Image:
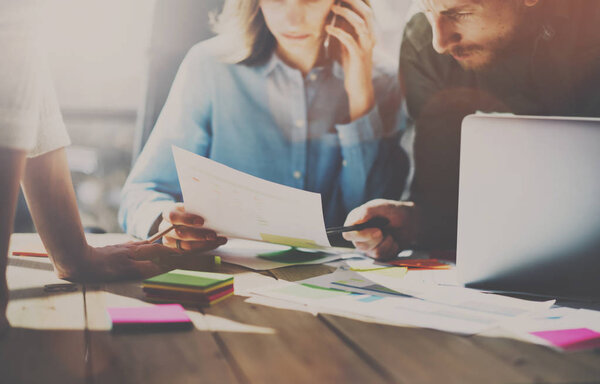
(554, 70)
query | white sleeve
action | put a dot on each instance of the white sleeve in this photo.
(30, 118)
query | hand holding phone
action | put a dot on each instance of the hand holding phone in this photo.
(352, 26)
(327, 42)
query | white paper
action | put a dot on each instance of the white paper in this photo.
(351, 281)
(556, 318)
(236, 204)
(399, 311)
(246, 253)
(450, 309)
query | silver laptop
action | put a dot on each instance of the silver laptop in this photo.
(529, 205)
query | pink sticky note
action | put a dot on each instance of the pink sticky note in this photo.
(162, 313)
(571, 339)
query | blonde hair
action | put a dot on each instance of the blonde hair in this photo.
(243, 33)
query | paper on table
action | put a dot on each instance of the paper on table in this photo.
(236, 204)
(352, 281)
(552, 322)
(246, 252)
(388, 310)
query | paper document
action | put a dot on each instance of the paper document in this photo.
(236, 204)
(259, 255)
(402, 311)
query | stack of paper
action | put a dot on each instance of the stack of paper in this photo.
(358, 295)
(189, 287)
(158, 317)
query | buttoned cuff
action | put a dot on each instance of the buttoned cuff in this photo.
(367, 128)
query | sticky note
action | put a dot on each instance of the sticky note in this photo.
(157, 317)
(571, 339)
(421, 263)
(202, 281)
(292, 256)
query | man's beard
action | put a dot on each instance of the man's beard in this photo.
(500, 49)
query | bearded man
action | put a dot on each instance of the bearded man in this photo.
(530, 57)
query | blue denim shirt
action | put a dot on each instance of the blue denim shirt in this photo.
(271, 122)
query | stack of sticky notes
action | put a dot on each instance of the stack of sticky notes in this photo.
(189, 287)
(164, 317)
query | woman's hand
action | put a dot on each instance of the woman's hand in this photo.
(132, 260)
(357, 55)
(189, 233)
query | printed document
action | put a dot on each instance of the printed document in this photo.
(239, 205)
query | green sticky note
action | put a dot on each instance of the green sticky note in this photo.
(397, 272)
(194, 279)
(308, 291)
(292, 256)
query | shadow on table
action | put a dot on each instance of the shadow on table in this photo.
(42, 356)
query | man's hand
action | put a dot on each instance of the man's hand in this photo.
(119, 262)
(383, 245)
(190, 233)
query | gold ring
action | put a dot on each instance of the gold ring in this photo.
(178, 242)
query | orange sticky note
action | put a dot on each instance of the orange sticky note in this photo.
(421, 264)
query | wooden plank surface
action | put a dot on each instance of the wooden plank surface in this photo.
(298, 348)
(46, 342)
(415, 355)
(161, 357)
(543, 364)
(67, 337)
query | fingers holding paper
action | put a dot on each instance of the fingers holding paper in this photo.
(383, 245)
(189, 233)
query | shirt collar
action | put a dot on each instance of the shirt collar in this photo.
(275, 61)
(269, 66)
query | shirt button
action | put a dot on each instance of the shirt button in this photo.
(312, 77)
(344, 163)
(297, 174)
(299, 123)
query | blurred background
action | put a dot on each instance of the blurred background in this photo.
(113, 62)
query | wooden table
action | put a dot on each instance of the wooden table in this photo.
(65, 338)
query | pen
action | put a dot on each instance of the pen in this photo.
(160, 234)
(376, 222)
(30, 254)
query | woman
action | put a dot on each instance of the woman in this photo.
(265, 98)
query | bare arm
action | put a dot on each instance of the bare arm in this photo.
(51, 199)
(11, 168)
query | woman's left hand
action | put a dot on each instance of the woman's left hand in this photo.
(357, 55)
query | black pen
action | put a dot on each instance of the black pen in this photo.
(376, 222)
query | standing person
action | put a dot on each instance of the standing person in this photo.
(264, 97)
(530, 57)
(32, 141)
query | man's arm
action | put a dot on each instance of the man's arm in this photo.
(11, 168)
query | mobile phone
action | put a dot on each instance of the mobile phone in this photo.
(332, 46)
(327, 42)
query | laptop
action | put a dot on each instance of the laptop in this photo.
(529, 205)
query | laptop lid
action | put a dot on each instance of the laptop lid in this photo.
(529, 205)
